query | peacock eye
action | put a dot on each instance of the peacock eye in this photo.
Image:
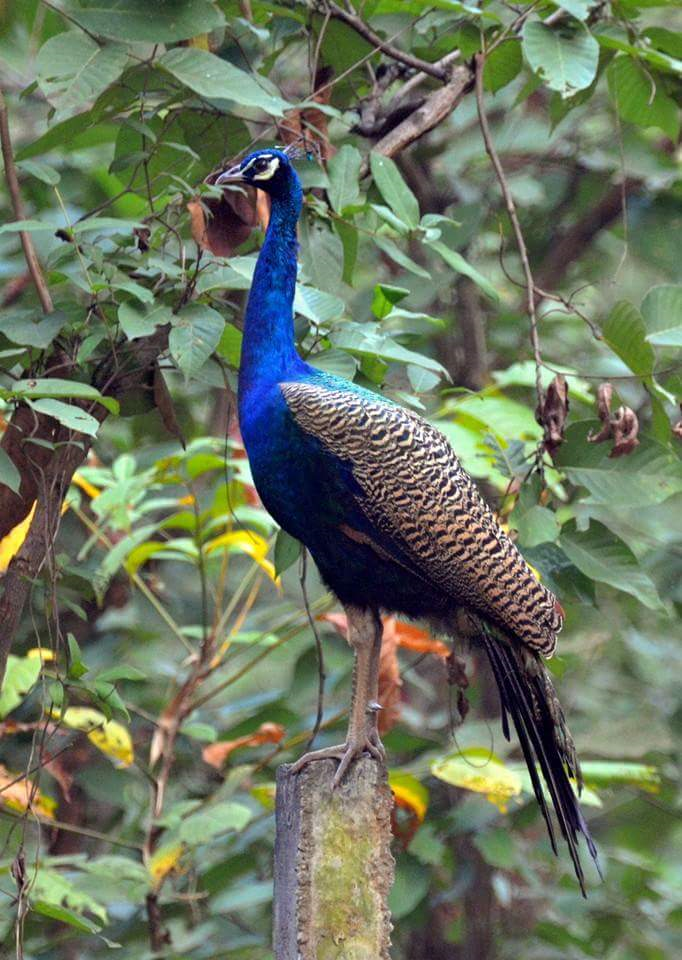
(261, 165)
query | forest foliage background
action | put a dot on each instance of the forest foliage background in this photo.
(163, 662)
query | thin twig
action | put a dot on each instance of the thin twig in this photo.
(479, 60)
(32, 261)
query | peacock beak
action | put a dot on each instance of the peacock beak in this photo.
(233, 175)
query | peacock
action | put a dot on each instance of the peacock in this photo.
(393, 522)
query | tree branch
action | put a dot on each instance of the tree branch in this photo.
(357, 24)
(18, 209)
(437, 106)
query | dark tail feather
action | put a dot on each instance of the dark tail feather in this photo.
(529, 698)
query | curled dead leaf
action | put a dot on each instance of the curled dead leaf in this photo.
(622, 427)
(221, 225)
(216, 754)
(625, 426)
(552, 412)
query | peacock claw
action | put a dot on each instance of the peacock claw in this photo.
(345, 753)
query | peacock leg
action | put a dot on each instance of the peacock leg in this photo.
(364, 635)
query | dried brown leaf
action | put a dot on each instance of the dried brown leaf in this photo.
(552, 412)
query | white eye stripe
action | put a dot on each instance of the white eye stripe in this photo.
(270, 172)
(255, 160)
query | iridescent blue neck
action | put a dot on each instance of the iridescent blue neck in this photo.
(268, 349)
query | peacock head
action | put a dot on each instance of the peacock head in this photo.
(269, 170)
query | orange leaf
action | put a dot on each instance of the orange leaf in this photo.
(413, 638)
(216, 754)
(390, 682)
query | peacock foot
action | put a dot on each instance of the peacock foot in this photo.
(345, 753)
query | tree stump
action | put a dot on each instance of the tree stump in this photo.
(333, 864)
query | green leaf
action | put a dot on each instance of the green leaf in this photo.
(287, 551)
(502, 65)
(211, 77)
(141, 321)
(77, 668)
(566, 60)
(123, 671)
(55, 889)
(195, 335)
(639, 98)
(647, 476)
(9, 475)
(385, 298)
(150, 21)
(42, 171)
(30, 328)
(337, 362)
(577, 8)
(55, 387)
(73, 69)
(603, 557)
(624, 332)
(344, 178)
(64, 915)
(200, 731)
(412, 882)
(394, 190)
(211, 822)
(535, 526)
(26, 226)
(662, 314)
(316, 305)
(497, 848)
(20, 676)
(608, 773)
(460, 265)
(70, 416)
(400, 257)
(365, 340)
(230, 345)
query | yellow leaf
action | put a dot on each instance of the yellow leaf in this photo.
(482, 772)
(19, 793)
(40, 653)
(409, 793)
(165, 861)
(245, 541)
(109, 736)
(11, 544)
(187, 501)
(85, 485)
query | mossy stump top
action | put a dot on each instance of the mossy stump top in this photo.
(333, 864)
